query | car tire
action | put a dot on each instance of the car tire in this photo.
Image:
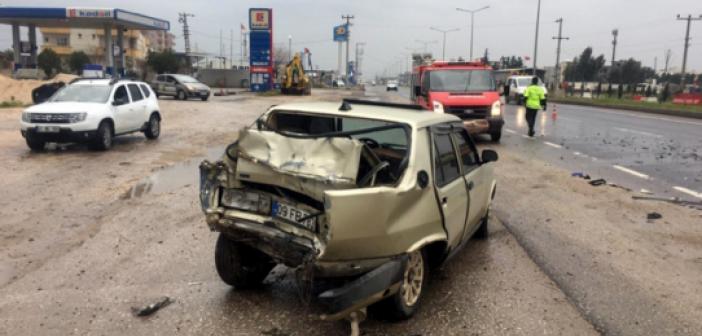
(103, 137)
(153, 128)
(36, 145)
(181, 95)
(482, 232)
(239, 265)
(496, 136)
(403, 304)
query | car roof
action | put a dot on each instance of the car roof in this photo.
(414, 118)
(102, 81)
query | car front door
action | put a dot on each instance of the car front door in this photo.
(121, 105)
(138, 111)
(171, 87)
(450, 185)
(475, 179)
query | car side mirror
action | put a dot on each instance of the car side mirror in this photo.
(489, 155)
(422, 179)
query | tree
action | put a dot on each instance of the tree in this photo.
(507, 62)
(6, 58)
(162, 62)
(77, 60)
(585, 68)
(49, 61)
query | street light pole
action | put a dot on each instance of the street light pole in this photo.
(472, 13)
(689, 19)
(289, 48)
(536, 36)
(444, 31)
(560, 38)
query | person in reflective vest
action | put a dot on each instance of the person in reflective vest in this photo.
(534, 100)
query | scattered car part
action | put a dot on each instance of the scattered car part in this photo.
(152, 308)
(598, 182)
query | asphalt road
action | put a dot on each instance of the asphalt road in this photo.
(660, 154)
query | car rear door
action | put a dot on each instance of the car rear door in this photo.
(474, 175)
(449, 184)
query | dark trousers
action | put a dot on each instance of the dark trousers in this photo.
(531, 118)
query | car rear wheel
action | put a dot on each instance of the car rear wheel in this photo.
(103, 137)
(403, 304)
(240, 265)
(34, 144)
(153, 129)
(181, 95)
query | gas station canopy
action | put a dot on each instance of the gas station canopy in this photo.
(80, 17)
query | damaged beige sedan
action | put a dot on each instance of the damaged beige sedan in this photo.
(375, 193)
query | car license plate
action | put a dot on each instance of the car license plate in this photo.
(48, 129)
(294, 215)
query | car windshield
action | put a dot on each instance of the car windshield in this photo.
(82, 94)
(185, 79)
(526, 81)
(461, 80)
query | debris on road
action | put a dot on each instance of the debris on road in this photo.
(674, 200)
(614, 185)
(646, 191)
(653, 215)
(580, 175)
(598, 182)
(152, 308)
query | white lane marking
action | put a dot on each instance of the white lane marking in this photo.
(510, 131)
(577, 153)
(688, 191)
(631, 172)
(626, 130)
(552, 144)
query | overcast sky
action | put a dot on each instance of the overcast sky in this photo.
(647, 28)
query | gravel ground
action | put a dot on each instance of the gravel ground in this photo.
(86, 236)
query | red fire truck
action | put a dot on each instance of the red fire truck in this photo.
(464, 89)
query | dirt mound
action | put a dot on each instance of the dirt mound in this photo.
(21, 89)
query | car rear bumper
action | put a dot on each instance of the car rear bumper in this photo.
(379, 283)
(64, 135)
(198, 94)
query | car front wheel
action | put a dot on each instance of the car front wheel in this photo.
(34, 143)
(403, 304)
(240, 265)
(153, 129)
(496, 136)
(103, 137)
(181, 95)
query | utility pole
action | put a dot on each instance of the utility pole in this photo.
(557, 74)
(536, 36)
(655, 64)
(183, 18)
(444, 31)
(359, 57)
(426, 43)
(231, 48)
(290, 48)
(221, 48)
(472, 13)
(689, 20)
(348, 18)
(615, 33)
(667, 61)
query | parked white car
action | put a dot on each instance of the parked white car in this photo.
(517, 85)
(92, 111)
(391, 85)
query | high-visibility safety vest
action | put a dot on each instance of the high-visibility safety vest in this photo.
(533, 95)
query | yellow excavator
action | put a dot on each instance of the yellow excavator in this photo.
(295, 82)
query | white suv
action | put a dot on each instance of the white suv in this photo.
(92, 111)
(515, 86)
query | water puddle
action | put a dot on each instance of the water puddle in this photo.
(172, 178)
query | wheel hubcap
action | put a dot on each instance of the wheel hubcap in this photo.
(154, 126)
(414, 277)
(106, 137)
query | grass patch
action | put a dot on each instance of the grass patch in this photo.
(12, 103)
(627, 102)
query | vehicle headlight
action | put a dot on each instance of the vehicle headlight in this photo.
(189, 87)
(76, 117)
(496, 110)
(245, 200)
(438, 107)
(26, 116)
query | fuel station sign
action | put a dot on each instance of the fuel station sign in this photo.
(261, 49)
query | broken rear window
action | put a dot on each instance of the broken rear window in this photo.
(384, 141)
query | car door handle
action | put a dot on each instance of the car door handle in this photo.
(470, 185)
(444, 200)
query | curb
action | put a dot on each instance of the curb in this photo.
(685, 114)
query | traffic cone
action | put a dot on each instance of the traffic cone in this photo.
(554, 113)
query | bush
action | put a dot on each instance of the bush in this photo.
(77, 61)
(162, 62)
(49, 61)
